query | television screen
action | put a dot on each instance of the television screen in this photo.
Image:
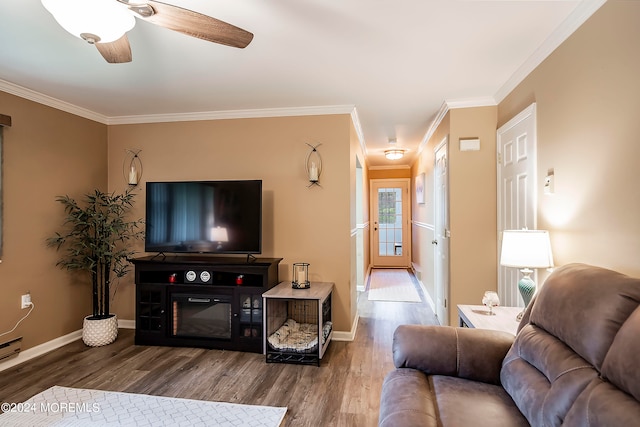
(204, 217)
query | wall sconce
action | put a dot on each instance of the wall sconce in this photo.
(394, 153)
(132, 166)
(313, 165)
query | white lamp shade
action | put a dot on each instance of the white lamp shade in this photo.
(107, 19)
(526, 249)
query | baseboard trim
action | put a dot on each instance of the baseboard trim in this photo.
(41, 349)
(126, 324)
(48, 346)
(347, 335)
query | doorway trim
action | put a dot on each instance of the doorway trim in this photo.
(406, 230)
(441, 234)
(525, 123)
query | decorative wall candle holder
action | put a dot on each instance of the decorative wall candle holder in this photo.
(313, 165)
(132, 167)
(301, 276)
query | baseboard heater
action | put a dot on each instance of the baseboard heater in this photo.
(10, 348)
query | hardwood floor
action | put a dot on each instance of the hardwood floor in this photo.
(343, 391)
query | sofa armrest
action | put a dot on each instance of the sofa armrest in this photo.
(474, 354)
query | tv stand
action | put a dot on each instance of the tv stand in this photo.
(202, 301)
(160, 255)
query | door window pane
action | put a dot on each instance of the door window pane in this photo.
(390, 221)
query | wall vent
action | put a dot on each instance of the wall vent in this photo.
(10, 348)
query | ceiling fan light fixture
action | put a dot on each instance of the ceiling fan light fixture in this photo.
(105, 20)
(394, 154)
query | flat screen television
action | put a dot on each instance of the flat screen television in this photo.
(222, 217)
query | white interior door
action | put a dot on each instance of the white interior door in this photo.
(441, 231)
(517, 189)
(390, 213)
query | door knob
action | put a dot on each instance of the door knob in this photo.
(434, 242)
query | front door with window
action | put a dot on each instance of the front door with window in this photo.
(390, 214)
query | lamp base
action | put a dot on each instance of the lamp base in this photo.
(527, 288)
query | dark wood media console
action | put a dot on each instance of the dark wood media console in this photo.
(200, 301)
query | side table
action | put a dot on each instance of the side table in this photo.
(477, 316)
(305, 306)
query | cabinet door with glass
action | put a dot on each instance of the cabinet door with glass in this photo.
(150, 310)
(250, 316)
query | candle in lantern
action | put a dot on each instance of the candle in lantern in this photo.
(302, 275)
(313, 172)
(133, 176)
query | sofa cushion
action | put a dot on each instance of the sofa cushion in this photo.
(544, 376)
(407, 400)
(462, 402)
(573, 322)
(474, 354)
(572, 304)
(603, 405)
(622, 366)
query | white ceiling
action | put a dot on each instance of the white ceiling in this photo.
(396, 62)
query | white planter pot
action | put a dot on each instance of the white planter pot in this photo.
(96, 333)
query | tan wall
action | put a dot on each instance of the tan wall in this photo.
(386, 173)
(47, 153)
(587, 95)
(472, 208)
(299, 223)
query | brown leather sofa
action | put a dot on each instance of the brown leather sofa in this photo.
(574, 362)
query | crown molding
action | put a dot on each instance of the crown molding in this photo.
(50, 101)
(442, 112)
(580, 14)
(358, 127)
(486, 101)
(233, 114)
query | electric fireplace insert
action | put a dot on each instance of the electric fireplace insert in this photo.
(201, 315)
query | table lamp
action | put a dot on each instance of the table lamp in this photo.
(526, 249)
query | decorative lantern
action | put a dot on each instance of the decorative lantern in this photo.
(313, 165)
(300, 276)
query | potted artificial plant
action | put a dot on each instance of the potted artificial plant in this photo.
(97, 240)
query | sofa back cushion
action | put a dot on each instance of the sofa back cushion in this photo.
(584, 307)
(622, 365)
(543, 376)
(613, 399)
(561, 351)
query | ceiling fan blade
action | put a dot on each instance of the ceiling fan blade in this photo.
(197, 25)
(116, 52)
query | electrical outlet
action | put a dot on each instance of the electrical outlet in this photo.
(26, 301)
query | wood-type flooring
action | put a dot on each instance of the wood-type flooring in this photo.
(343, 391)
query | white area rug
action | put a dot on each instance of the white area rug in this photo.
(390, 284)
(63, 406)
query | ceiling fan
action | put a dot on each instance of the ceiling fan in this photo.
(104, 23)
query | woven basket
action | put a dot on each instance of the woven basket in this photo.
(96, 333)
